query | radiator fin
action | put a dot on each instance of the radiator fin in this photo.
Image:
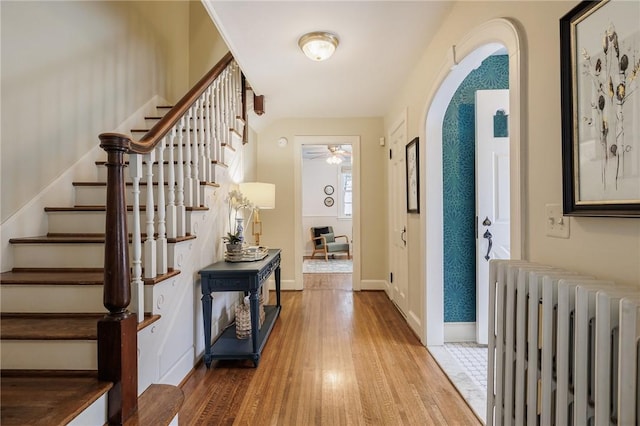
(563, 348)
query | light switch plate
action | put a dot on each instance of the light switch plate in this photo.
(556, 225)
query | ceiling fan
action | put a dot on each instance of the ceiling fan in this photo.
(334, 154)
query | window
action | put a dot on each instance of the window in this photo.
(345, 194)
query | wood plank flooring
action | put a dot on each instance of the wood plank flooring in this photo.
(335, 357)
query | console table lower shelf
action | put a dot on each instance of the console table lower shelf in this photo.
(247, 277)
(228, 346)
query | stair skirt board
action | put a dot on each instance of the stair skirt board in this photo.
(95, 414)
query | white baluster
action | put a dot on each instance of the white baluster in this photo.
(196, 153)
(215, 153)
(218, 120)
(224, 131)
(180, 209)
(237, 78)
(188, 178)
(162, 224)
(237, 99)
(231, 117)
(150, 243)
(171, 187)
(231, 102)
(227, 111)
(207, 135)
(137, 285)
(201, 142)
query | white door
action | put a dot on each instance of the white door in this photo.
(492, 198)
(398, 214)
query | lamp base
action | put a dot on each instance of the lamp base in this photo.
(256, 226)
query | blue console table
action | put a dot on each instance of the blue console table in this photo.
(247, 277)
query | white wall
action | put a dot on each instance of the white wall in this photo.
(74, 69)
(316, 174)
(608, 248)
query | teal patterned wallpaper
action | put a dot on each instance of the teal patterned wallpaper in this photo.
(458, 177)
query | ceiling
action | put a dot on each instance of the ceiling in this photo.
(380, 42)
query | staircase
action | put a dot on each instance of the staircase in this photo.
(57, 299)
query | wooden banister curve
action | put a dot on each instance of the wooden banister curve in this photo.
(149, 141)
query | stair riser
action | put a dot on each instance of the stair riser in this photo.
(102, 171)
(94, 222)
(44, 355)
(85, 255)
(97, 195)
(57, 298)
(82, 222)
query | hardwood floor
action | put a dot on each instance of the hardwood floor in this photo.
(335, 357)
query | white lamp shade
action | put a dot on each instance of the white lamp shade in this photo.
(262, 195)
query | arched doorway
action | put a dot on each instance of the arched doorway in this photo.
(471, 51)
(476, 46)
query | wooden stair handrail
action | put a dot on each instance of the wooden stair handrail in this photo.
(153, 137)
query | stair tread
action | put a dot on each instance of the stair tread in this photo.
(47, 398)
(81, 239)
(102, 184)
(48, 276)
(46, 326)
(103, 162)
(60, 239)
(104, 208)
(157, 405)
(56, 326)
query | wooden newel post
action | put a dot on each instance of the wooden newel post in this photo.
(117, 331)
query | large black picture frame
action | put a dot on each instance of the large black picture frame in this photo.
(412, 162)
(600, 153)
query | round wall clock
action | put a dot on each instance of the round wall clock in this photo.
(328, 189)
(328, 201)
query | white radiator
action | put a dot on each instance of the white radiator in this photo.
(563, 348)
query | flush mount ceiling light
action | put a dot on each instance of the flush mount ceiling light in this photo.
(318, 45)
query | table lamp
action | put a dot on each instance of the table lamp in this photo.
(262, 196)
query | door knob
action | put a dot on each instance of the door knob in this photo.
(486, 221)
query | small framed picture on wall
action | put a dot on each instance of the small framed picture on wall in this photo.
(413, 177)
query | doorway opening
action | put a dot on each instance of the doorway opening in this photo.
(327, 207)
(327, 212)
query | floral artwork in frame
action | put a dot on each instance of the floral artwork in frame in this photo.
(600, 88)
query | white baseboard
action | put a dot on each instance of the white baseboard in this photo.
(459, 331)
(285, 285)
(373, 285)
(181, 369)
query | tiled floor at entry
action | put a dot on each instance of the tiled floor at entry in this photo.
(473, 358)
